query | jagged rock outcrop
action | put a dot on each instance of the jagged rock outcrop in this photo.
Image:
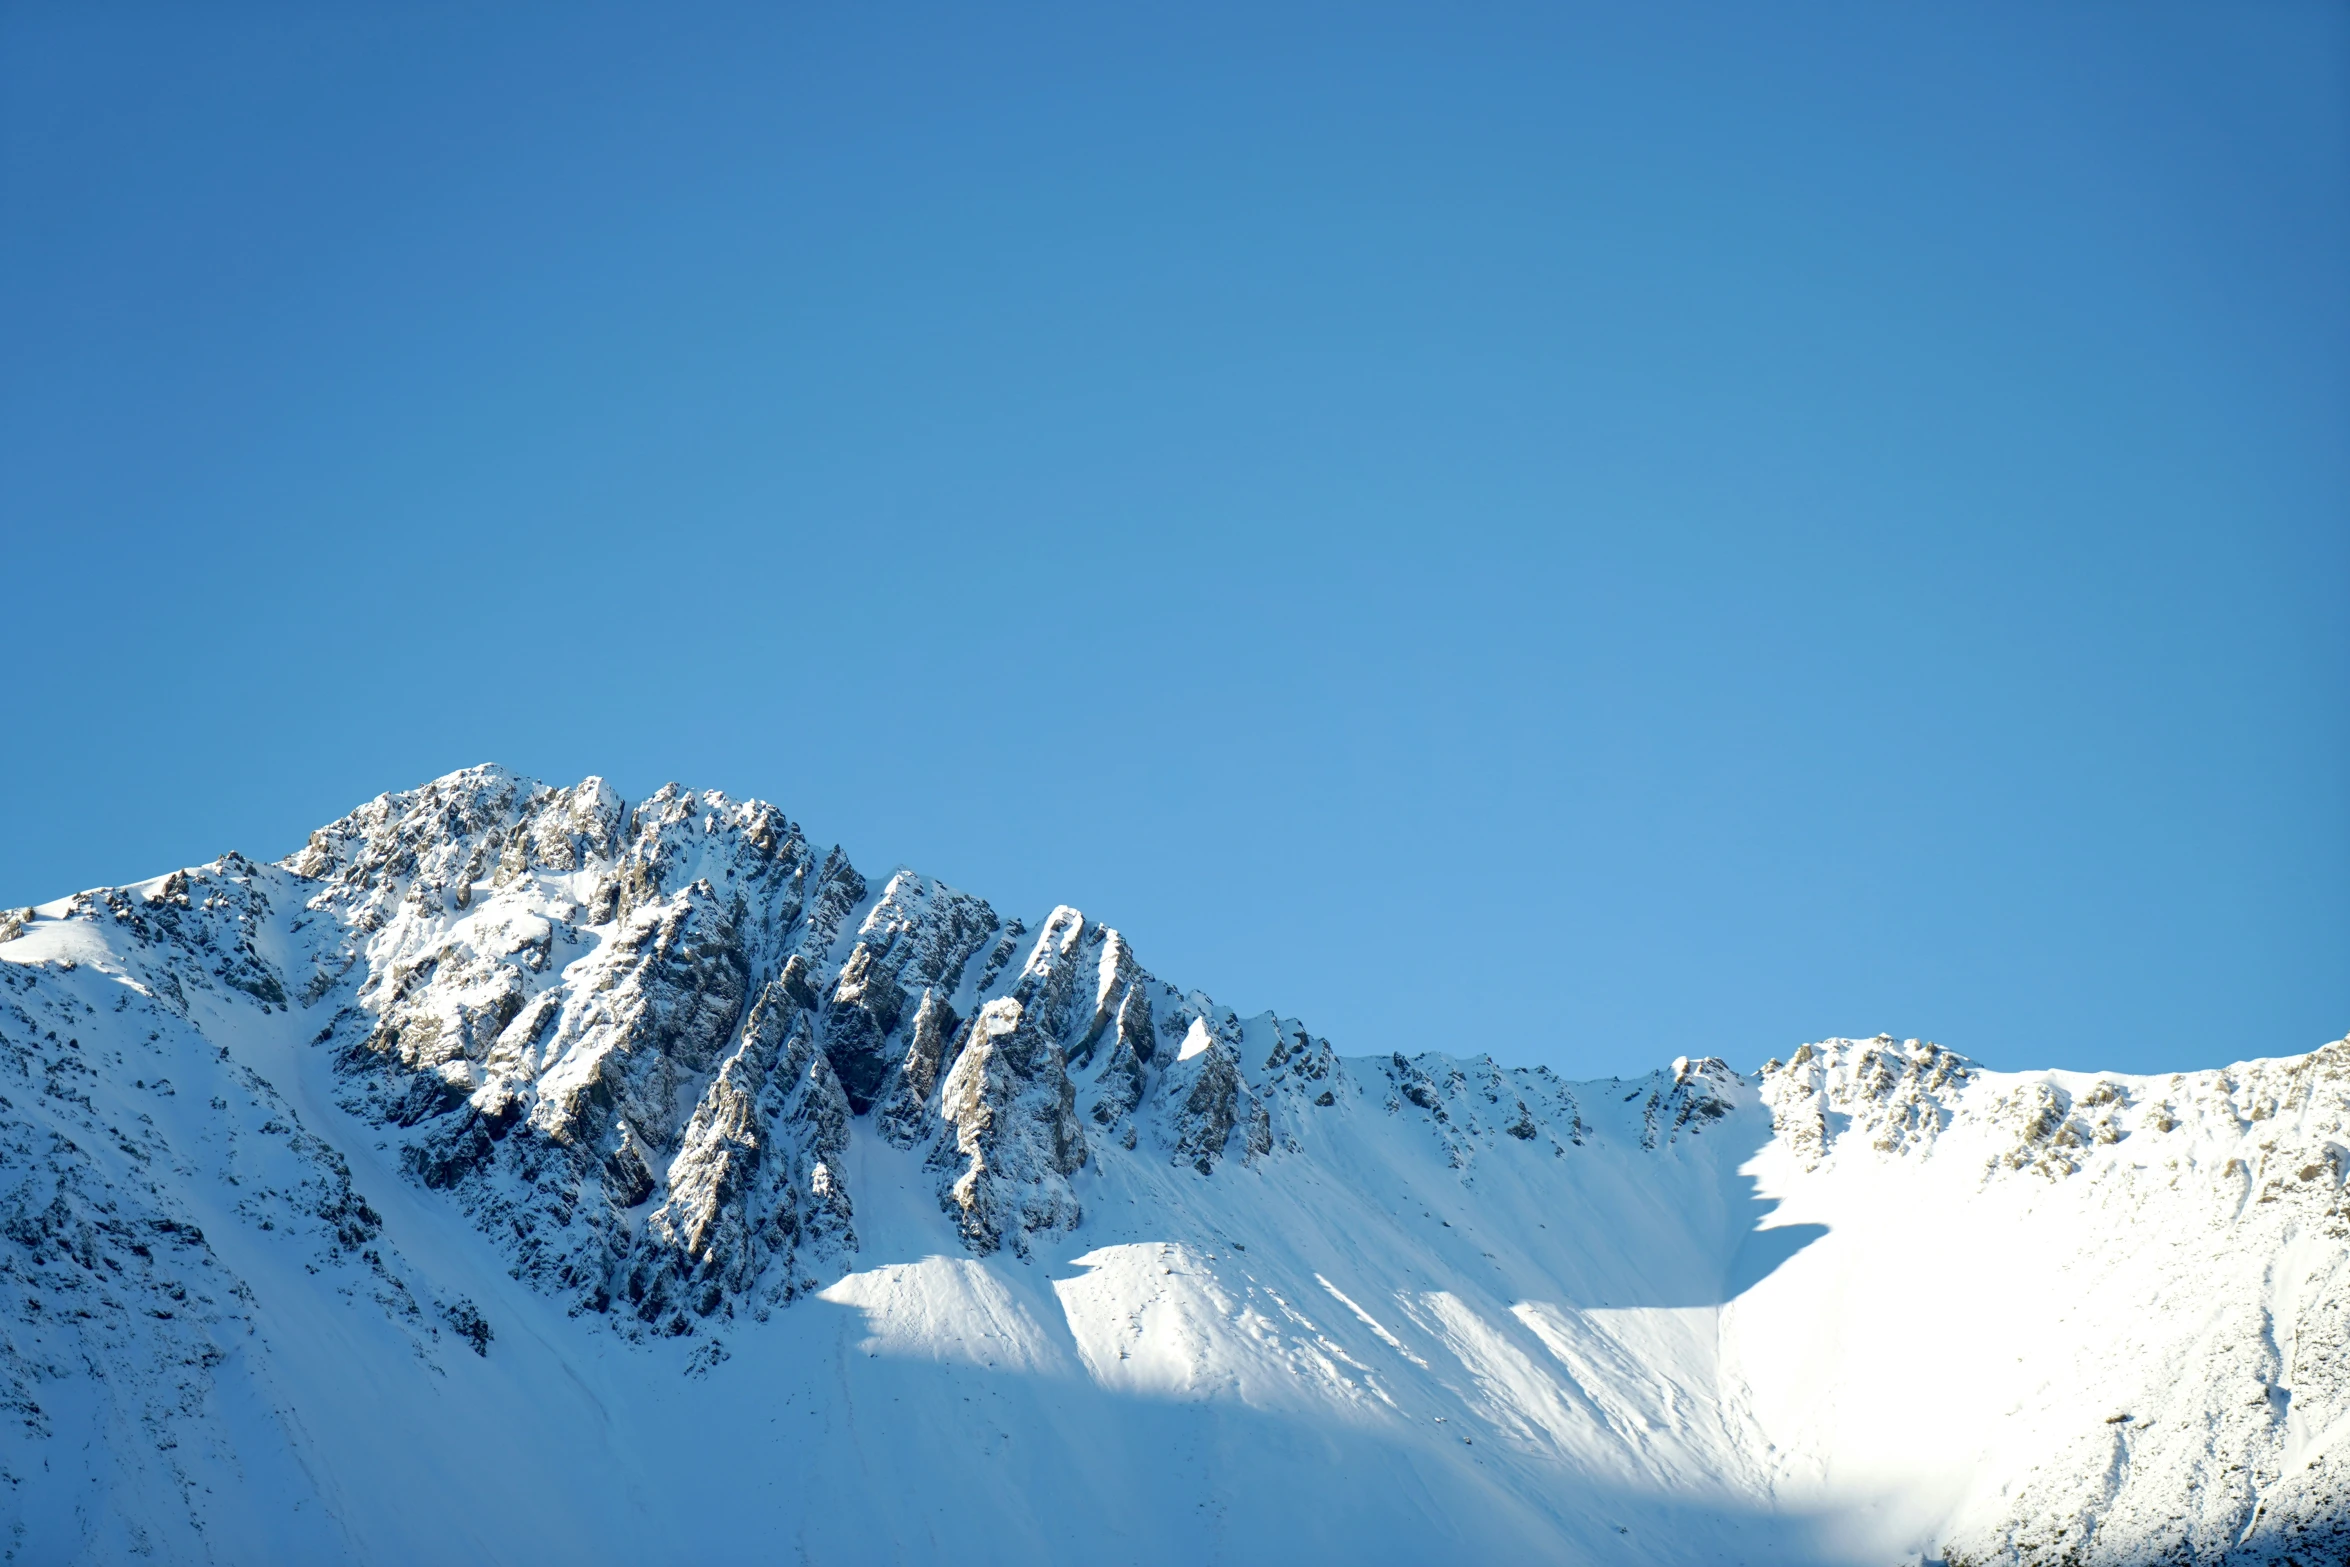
(1014, 1138)
(757, 1179)
(1132, 1052)
(911, 949)
(1895, 1094)
(1213, 1113)
(1469, 1103)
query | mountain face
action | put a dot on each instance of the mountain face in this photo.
(525, 1174)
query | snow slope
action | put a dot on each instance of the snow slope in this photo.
(520, 1174)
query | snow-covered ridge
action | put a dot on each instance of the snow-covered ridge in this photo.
(497, 1107)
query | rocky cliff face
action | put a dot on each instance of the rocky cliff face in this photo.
(630, 1039)
(675, 1068)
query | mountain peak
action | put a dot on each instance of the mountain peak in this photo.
(652, 1139)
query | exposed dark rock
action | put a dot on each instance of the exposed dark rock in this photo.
(1013, 1138)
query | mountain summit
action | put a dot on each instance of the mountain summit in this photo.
(520, 1174)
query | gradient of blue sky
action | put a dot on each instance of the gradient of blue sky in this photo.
(1586, 532)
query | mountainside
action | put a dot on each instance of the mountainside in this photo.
(522, 1174)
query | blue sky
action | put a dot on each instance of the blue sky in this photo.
(1590, 533)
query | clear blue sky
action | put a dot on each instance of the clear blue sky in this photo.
(1589, 533)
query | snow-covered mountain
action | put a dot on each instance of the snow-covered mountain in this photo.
(520, 1174)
